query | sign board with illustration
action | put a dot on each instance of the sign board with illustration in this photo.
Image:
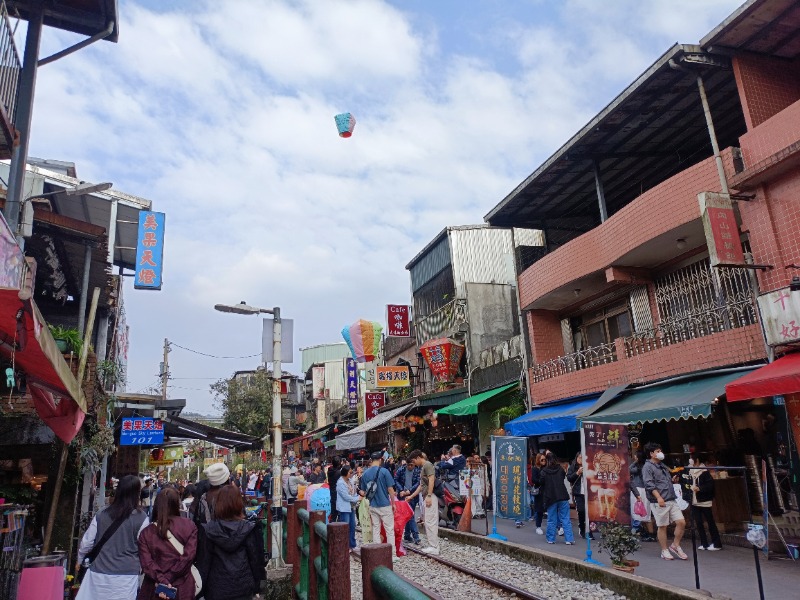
(606, 463)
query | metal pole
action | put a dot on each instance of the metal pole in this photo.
(601, 196)
(165, 370)
(723, 180)
(277, 440)
(87, 265)
(22, 120)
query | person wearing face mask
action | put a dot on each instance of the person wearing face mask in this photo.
(661, 494)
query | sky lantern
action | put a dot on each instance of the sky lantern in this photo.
(345, 123)
(443, 356)
(364, 339)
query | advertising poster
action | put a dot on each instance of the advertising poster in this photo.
(510, 477)
(606, 462)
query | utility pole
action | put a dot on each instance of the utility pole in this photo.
(165, 370)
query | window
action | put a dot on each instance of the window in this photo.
(603, 326)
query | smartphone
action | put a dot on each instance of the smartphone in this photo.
(169, 592)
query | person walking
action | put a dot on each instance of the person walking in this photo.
(638, 495)
(167, 549)
(110, 544)
(430, 505)
(407, 481)
(232, 561)
(377, 486)
(578, 480)
(702, 485)
(334, 472)
(556, 500)
(658, 486)
(536, 491)
(346, 499)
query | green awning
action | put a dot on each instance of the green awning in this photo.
(329, 443)
(667, 401)
(469, 406)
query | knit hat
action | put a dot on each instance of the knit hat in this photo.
(218, 474)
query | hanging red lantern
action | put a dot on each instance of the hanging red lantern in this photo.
(443, 356)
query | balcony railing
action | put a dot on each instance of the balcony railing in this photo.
(10, 66)
(442, 322)
(583, 359)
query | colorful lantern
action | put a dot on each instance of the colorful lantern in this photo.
(364, 339)
(443, 356)
(345, 123)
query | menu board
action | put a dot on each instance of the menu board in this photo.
(606, 463)
(510, 478)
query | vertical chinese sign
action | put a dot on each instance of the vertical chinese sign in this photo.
(351, 383)
(149, 251)
(780, 314)
(510, 476)
(606, 463)
(398, 320)
(318, 383)
(722, 232)
(374, 401)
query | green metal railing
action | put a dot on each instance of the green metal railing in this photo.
(321, 561)
(285, 533)
(305, 552)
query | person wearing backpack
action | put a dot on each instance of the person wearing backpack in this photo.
(377, 486)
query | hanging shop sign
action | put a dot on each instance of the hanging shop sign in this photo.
(173, 453)
(370, 376)
(391, 377)
(318, 383)
(374, 401)
(149, 251)
(160, 463)
(443, 356)
(780, 313)
(138, 431)
(510, 478)
(398, 320)
(207, 462)
(605, 458)
(351, 382)
(721, 229)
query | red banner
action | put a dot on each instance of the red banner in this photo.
(374, 401)
(721, 229)
(398, 320)
(606, 474)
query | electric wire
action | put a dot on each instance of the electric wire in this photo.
(212, 355)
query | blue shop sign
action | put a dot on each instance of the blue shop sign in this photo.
(138, 431)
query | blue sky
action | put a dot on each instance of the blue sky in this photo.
(225, 121)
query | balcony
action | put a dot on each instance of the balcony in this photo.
(10, 67)
(446, 321)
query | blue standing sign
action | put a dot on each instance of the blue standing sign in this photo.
(510, 455)
(139, 431)
(149, 251)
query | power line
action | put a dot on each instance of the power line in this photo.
(212, 355)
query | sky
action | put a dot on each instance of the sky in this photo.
(225, 121)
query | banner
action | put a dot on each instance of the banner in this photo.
(351, 382)
(137, 431)
(398, 320)
(605, 467)
(509, 456)
(780, 315)
(374, 401)
(149, 251)
(721, 229)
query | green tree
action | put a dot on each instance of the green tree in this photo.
(246, 405)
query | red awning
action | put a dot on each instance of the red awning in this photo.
(775, 379)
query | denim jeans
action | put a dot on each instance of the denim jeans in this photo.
(558, 514)
(411, 530)
(349, 518)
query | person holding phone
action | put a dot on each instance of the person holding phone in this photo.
(167, 549)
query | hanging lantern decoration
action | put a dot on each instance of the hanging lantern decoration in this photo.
(364, 339)
(345, 123)
(443, 356)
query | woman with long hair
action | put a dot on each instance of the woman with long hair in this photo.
(232, 561)
(536, 485)
(577, 479)
(110, 543)
(167, 549)
(556, 500)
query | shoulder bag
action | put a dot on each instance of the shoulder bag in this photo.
(198, 582)
(98, 546)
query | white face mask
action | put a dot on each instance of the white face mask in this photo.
(660, 455)
(691, 462)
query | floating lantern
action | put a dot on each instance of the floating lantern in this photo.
(364, 339)
(443, 356)
(345, 123)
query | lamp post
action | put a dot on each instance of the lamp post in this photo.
(277, 435)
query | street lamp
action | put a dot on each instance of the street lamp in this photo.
(277, 436)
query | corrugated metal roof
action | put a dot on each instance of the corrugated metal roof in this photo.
(481, 255)
(324, 352)
(334, 379)
(428, 266)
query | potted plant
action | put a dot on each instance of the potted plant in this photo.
(68, 339)
(619, 542)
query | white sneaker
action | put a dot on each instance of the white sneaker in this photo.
(560, 531)
(539, 531)
(713, 548)
(430, 550)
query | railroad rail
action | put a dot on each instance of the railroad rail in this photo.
(506, 587)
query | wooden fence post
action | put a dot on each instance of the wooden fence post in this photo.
(293, 532)
(338, 561)
(313, 552)
(373, 555)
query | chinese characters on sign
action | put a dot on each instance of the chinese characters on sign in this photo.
(605, 459)
(137, 431)
(398, 320)
(318, 383)
(351, 383)
(149, 251)
(443, 357)
(510, 476)
(374, 401)
(722, 232)
(393, 377)
(780, 312)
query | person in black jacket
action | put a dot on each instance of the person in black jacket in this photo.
(232, 563)
(334, 472)
(536, 490)
(578, 480)
(702, 487)
(556, 500)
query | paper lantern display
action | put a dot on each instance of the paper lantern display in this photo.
(364, 339)
(443, 356)
(345, 123)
